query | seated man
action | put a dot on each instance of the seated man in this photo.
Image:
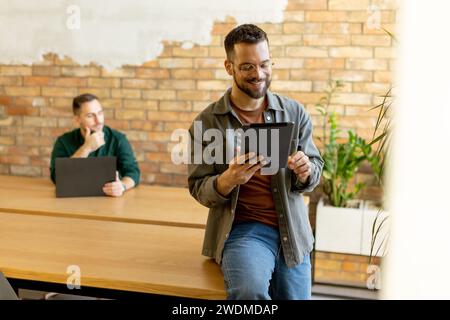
(94, 139)
(258, 227)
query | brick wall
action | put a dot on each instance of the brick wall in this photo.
(319, 40)
(344, 269)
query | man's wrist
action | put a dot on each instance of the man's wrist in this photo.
(86, 149)
(224, 187)
(124, 187)
(82, 152)
(305, 180)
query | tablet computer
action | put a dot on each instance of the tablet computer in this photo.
(83, 177)
(271, 140)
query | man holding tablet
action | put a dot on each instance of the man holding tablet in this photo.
(94, 139)
(258, 228)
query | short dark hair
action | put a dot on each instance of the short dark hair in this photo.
(79, 100)
(245, 33)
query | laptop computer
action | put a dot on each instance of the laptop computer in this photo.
(83, 177)
(6, 291)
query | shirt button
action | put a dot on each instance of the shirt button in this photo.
(275, 190)
(284, 238)
(281, 216)
(268, 118)
(226, 235)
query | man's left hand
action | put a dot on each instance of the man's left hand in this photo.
(114, 189)
(300, 164)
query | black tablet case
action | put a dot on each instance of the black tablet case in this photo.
(286, 131)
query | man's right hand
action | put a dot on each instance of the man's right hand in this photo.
(239, 171)
(93, 141)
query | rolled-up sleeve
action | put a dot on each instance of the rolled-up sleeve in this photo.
(126, 161)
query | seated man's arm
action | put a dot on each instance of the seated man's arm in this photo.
(118, 187)
(92, 142)
(127, 165)
(82, 152)
(128, 182)
(59, 151)
(128, 173)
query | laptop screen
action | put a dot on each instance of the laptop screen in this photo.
(84, 177)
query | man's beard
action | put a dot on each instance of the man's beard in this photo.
(253, 93)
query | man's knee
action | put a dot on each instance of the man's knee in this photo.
(249, 288)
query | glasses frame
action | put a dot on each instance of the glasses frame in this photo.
(253, 67)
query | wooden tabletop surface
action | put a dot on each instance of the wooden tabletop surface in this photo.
(144, 204)
(135, 257)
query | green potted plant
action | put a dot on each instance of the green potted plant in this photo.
(339, 219)
(377, 217)
(341, 161)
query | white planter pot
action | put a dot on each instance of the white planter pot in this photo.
(339, 229)
(370, 213)
(349, 230)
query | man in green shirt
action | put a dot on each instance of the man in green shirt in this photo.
(94, 139)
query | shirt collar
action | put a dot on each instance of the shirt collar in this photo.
(223, 106)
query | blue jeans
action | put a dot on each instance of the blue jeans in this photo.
(254, 267)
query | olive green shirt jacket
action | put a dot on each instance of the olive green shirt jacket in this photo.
(295, 230)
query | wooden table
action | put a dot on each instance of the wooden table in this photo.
(144, 204)
(130, 257)
(148, 241)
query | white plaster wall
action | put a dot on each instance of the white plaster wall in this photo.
(417, 265)
(117, 32)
